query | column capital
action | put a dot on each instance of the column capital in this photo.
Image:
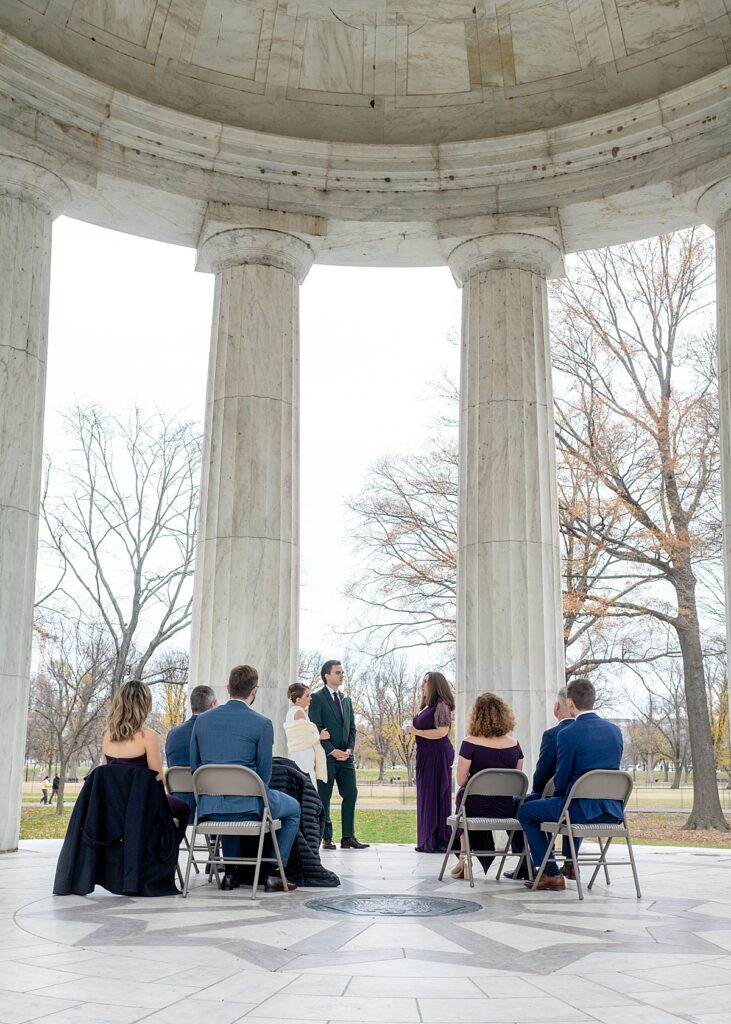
(33, 183)
(237, 246)
(518, 250)
(714, 204)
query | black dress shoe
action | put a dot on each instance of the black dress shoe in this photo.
(230, 881)
(328, 844)
(351, 843)
(517, 876)
(275, 884)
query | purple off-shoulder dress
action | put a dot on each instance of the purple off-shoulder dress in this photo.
(434, 759)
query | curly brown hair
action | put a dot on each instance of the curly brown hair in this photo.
(491, 716)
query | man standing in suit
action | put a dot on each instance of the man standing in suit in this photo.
(328, 710)
(591, 743)
(177, 742)
(236, 734)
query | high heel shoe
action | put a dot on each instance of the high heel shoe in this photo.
(460, 868)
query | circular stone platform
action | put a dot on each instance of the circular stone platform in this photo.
(389, 905)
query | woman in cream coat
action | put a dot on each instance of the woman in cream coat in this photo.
(303, 738)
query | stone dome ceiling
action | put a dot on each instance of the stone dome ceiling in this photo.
(382, 71)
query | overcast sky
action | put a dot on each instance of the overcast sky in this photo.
(130, 323)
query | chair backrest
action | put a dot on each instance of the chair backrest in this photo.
(602, 784)
(178, 779)
(496, 782)
(547, 789)
(228, 780)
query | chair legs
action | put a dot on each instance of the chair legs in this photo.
(574, 860)
(630, 851)
(259, 854)
(450, 844)
(541, 869)
(190, 859)
(468, 855)
(602, 862)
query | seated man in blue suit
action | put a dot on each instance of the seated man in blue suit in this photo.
(544, 771)
(236, 734)
(177, 743)
(591, 743)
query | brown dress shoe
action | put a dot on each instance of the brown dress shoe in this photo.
(328, 844)
(569, 871)
(553, 882)
(351, 843)
(274, 883)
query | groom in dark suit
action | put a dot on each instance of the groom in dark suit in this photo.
(329, 710)
(590, 743)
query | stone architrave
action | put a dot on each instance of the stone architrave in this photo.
(509, 621)
(246, 595)
(715, 208)
(30, 196)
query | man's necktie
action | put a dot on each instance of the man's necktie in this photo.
(338, 704)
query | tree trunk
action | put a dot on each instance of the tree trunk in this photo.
(62, 772)
(677, 775)
(666, 771)
(381, 768)
(706, 812)
(650, 770)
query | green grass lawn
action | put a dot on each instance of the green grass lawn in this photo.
(43, 823)
(399, 826)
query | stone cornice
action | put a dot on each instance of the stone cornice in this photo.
(90, 129)
(237, 246)
(34, 184)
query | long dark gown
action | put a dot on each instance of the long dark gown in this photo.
(434, 760)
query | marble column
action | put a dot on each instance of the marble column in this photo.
(509, 622)
(246, 594)
(29, 198)
(715, 208)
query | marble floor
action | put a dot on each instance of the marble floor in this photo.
(526, 957)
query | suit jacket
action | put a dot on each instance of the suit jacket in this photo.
(120, 836)
(232, 733)
(589, 744)
(546, 764)
(177, 743)
(324, 714)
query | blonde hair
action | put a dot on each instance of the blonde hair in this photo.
(131, 705)
(491, 716)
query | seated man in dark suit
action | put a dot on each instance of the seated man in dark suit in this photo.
(236, 734)
(177, 743)
(544, 771)
(591, 743)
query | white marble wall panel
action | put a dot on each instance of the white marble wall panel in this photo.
(332, 57)
(655, 21)
(247, 563)
(25, 255)
(127, 19)
(228, 38)
(437, 59)
(557, 53)
(509, 627)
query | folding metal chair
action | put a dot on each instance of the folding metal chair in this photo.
(233, 780)
(595, 785)
(179, 780)
(490, 782)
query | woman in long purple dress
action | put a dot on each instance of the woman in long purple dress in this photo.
(488, 744)
(434, 760)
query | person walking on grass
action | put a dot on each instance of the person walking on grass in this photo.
(45, 786)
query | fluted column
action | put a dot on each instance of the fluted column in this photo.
(715, 208)
(29, 198)
(509, 624)
(246, 592)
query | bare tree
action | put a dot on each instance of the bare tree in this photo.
(405, 525)
(70, 694)
(635, 412)
(660, 707)
(120, 517)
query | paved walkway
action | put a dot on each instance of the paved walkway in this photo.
(533, 958)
